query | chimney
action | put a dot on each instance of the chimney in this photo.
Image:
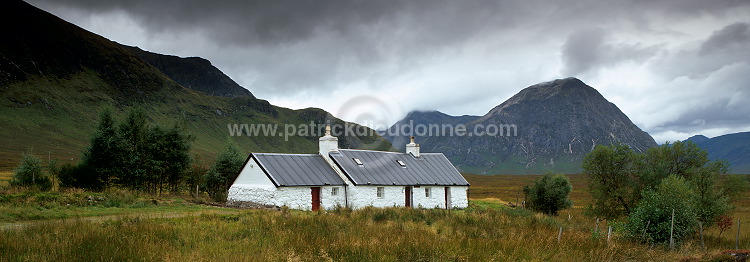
(328, 143)
(412, 148)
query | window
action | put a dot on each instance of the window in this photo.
(427, 192)
(335, 191)
(356, 160)
(381, 192)
(401, 163)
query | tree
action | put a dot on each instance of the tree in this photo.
(176, 151)
(618, 178)
(133, 154)
(134, 132)
(651, 221)
(549, 194)
(687, 160)
(29, 173)
(104, 159)
(195, 175)
(613, 184)
(224, 171)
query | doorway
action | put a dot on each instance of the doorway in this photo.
(407, 196)
(315, 198)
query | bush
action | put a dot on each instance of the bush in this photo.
(80, 176)
(549, 194)
(30, 174)
(654, 213)
(224, 171)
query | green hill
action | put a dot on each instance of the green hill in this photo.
(734, 148)
(55, 78)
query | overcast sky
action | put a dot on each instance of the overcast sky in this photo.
(676, 68)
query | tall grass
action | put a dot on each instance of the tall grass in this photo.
(18, 204)
(370, 234)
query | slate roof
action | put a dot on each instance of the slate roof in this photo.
(297, 169)
(382, 168)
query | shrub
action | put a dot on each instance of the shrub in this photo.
(654, 213)
(224, 171)
(549, 194)
(30, 174)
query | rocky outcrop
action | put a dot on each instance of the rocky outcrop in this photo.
(193, 72)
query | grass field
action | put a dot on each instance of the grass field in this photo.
(487, 230)
(504, 189)
(5, 178)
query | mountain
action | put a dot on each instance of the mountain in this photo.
(425, 118)
(193, 72)
(547, 126)
(734, 148)
(56, 77)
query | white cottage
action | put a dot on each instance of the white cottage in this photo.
(350, 178)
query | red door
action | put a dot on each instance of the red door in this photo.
(315, 198)
(407, 196)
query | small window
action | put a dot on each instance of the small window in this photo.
(427, 192)
(356, 160)
(381, 192)
(335, 191)
(401, 163)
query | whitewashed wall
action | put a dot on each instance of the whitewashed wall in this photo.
(292, 197)
(436, 199)
(364, 196)
(253, 186)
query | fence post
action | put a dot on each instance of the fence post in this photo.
(737, 239)
(609, 233)
(559, 235)
(703, 245)
(644, 230)
(671, 232)
(596, 227)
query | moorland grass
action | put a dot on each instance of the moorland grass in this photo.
(371, 234)
(17, 205)
(487, 230)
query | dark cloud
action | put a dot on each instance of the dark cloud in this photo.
(729, 38)
(587, 50)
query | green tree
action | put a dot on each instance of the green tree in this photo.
(613, 183)
(104, 159)
(549, 194)
(618, 178)
(29, 173)
(195, 175)
(224, 171)
(651, 221)
(134, 132)
(167, 153)
(687, 160)
(710, 201)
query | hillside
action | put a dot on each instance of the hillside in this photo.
(556, 124)
(425, 118)
(55, 78)
(193, 72)
(734, 148)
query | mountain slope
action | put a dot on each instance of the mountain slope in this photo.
(55, 78)
(548, 126)
(424, 118)
(193, 72)
(734, 148)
